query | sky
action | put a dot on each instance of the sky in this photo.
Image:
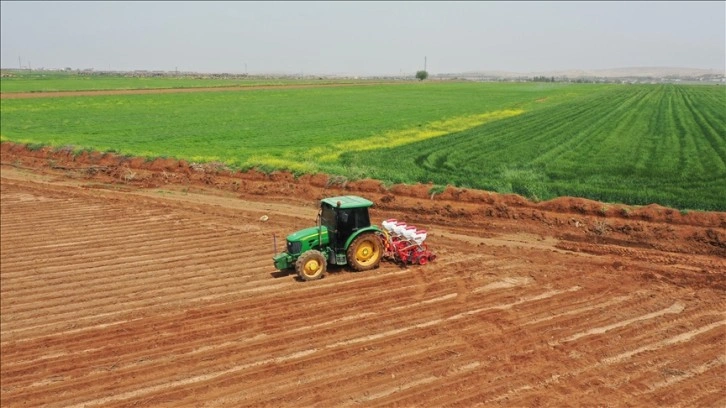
(362, 38)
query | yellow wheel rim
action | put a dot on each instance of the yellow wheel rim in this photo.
(311, 267)
(366, 253)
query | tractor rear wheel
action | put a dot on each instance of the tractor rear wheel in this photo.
(310, 265)
(364, 253)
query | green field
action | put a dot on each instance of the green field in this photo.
(635, 144)
(47, 81)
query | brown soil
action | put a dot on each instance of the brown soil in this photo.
(135, 283)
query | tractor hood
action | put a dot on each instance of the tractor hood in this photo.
(309, 234)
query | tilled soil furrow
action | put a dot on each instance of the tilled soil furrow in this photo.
(104, 242)
(330, 334)
(149, 269)
(243, 288)
(659, 375)
(226, 263)
(366, 362)
(136, 271)
(263, 307)
(703, 390)
(145, 376)
(120, 295)
(619, 362)
(226, 312)
(643, 334)
(140, 308)
(641, 378)
(246, 370)
(257, 324)
(93, 256)
(554, 361)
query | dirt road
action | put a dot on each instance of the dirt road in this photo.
(127, 283)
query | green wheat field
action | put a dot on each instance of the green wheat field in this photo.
(632, 144)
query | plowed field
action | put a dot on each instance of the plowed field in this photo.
(127, 283)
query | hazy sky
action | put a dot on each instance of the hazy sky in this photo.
(365, 38)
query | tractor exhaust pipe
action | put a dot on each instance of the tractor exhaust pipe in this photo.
(320, 229)
(274, 243)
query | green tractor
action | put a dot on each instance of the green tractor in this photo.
(344, 236)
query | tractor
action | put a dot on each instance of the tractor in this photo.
(343, 236)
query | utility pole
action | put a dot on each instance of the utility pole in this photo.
(20, 63)
(424, 63)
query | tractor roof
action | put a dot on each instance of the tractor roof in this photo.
(348, 201)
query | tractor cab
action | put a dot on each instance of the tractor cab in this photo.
(343, 236)
(343, 217)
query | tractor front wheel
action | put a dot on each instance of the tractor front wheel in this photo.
(364, 252)
(310, 265)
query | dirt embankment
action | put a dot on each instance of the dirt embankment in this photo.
(574, 219)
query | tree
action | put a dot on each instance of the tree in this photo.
(421, 75)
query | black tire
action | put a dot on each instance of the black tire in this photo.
(310, 265)
(365, 252)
